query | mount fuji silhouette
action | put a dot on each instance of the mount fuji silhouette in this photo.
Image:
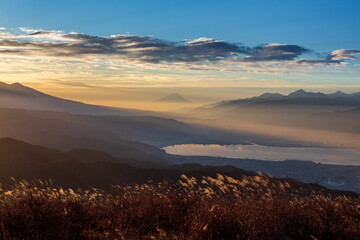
(174, 98)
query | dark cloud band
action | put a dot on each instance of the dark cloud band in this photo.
(153, 50)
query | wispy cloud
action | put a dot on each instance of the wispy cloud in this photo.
(153, 50)
(86, 61)
(335, 57)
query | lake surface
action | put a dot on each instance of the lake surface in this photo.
(321, 155)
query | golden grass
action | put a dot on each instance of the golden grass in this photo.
(257, 207)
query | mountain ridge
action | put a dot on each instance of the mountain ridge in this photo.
(298, 97)
(24, 161)
(19, 96)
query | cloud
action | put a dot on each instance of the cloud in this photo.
(153, 50)
(10, 52)
(275, 52)
(139, 48)
(145, 49)
(335, 57)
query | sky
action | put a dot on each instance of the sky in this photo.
(124, 53)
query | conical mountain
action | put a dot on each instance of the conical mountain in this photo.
(174, 98)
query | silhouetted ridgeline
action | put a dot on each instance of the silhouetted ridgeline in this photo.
(19, 96)
(86, 167)
(89, 168)
(300, 109)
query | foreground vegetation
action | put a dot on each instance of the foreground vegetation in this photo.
(253, 207)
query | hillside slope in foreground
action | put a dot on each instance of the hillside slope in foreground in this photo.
(206, 208)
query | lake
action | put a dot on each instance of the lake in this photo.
(341, 156)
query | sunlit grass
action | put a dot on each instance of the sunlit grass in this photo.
(253, 207)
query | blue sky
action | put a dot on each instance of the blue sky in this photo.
(321, 24)
(228, 44)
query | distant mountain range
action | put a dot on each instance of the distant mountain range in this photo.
(30, 115)
(173, 98)
(123, 144)
(335, 113)
(299, 97)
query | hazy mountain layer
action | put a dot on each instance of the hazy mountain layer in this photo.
(330, 119)
(299, 97)
(89, 168)
(19, 96)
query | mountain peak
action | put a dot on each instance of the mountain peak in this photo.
(11, 84)
(173, 97)
(17, 89)
(302, 93)
(338, 94)
(299, 91)
(17, 84)
(270, 95)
